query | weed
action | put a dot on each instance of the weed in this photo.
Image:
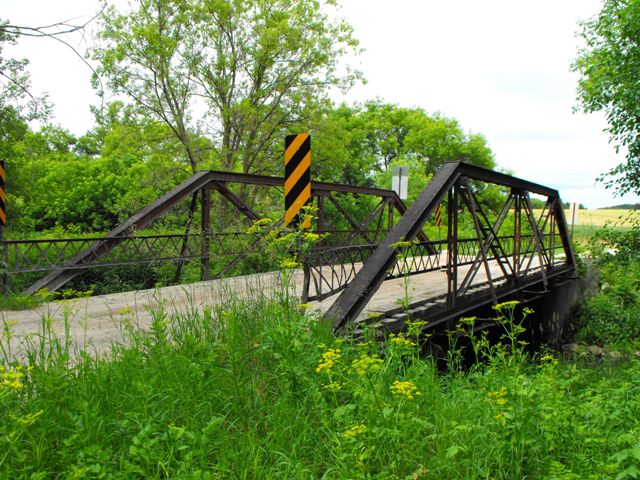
(259, 388)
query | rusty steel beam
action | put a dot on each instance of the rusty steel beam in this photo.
(367, 281)
(468, 200)
(166, 202)
(357, 294)
(485, 242)
(205, 228)
(221, 188)
(144, 217)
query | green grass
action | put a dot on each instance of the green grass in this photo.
(258, 389)
(583, 233)
(16, 301)
(600, 218)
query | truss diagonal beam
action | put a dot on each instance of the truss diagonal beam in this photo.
(486, 240)
(367, 281)
(537, 238)
(235, 201)
(351, 221)
(367, 221)
(144, 217)
(357, 294)
(469, 201)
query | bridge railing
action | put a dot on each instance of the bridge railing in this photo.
(43, 255)
(330, 270)
(135, 241)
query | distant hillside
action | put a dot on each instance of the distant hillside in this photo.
(624, 206)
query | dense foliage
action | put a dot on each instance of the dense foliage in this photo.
(239, 73)
(612, 316)
(609, 66)
(256, 389)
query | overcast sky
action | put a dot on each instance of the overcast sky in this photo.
(500, 67)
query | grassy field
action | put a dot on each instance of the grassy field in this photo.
(590, 221)
(600, 218)
(260, 389)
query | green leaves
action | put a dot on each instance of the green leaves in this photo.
(362, 143)
(609, 68)
(239, 72)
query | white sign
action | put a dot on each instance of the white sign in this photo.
(573, 214)
(400, 181)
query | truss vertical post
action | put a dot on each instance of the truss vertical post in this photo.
(4, 259)
(452, 246)
(205, 224)
(185, 239)
(517, 232)
(552, 235)
(390, 218)
(562, 231)
(321, 217)
(306, 281)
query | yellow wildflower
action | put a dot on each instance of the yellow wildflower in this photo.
(401, 342)
(365, 364)
(510, 304)
(310, 237)
(11, 378)
(414, 327)
(329, 358)
(333, 386)
(289, 263)
(258, 225)
(355, 430)
(405, 389)
(500, 393)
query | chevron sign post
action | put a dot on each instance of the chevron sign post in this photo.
(297, 177)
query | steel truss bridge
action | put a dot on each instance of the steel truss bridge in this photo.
(513, 251)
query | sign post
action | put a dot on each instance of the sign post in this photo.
(297, 177)
(573, 215)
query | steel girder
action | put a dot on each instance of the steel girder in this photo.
(205, 183)
(453, 182)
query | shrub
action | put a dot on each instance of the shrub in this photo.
(603, 319)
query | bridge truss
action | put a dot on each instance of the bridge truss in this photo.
(62, 259)
(513, 252)
(491, 252)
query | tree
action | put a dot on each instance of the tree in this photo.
(362, 141)
(253, 67)
(609, 66)
(16, 99)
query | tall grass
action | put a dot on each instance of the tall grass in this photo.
(260, 389)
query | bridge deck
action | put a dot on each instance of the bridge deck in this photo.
(96, 322)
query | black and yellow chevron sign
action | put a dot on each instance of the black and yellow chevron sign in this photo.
(3, 196)
(438, 216)
(297, 176)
